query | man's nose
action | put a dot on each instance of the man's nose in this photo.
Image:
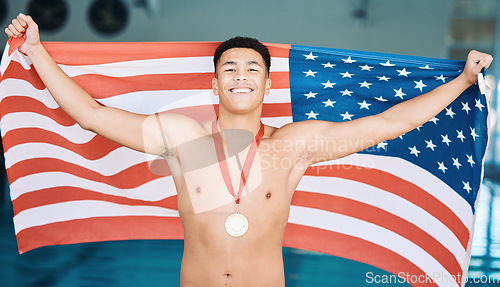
(241, 76)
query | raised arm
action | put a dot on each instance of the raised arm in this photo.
(328, 140)
(125, 128)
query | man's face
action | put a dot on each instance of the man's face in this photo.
(241, 81)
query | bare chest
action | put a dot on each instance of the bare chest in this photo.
(203, 184)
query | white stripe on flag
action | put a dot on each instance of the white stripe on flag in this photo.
(277, 121)
(17, 57)
(82, 209)
(182, 65)
(110, 164)
(74, 133)
(14, 87)
(147, 192)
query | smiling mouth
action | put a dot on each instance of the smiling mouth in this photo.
(240, 90)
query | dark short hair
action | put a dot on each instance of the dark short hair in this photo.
(243, 42)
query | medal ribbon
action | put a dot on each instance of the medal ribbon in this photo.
(221, 157)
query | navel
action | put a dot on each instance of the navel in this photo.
(268, 195)
(198, 189)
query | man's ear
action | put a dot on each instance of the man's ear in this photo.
(215, 87)
(268, 87)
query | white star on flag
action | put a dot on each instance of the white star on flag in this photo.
(434, 120)
(449, 112)
(442, 167)
(473, 134)
(329, 103)
(328, 84)
(346, 92)
(364, 105)
(446, 140)
(346, 116)
(414, 150)
(310, 73)
(465, 107)
(479, 105)
(420, 85)
(328, 65)
(467, 186)
(442, 78)
(460, 135)
(365, 85)
(430, 145)
(348, 60)
(399, 93)
(381, 99)
(470, 160)
(456, 163)
(426, 67)
(403, 72)
(382, 145)
(383, 78)
(388, 64)
(366, 68)
(312, 115)
(346, 75)
(310, 95)
(310, 56)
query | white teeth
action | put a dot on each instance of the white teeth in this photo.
(241, 90)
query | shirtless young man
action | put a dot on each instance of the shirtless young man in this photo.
(212, 257)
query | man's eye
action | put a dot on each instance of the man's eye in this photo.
(229, 70)
(253, 70)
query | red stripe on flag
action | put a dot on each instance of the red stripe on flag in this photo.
(99, 229)
(16, 71)
(401, 188)
(96, 148)
(278, 50)
(80, 53)
(277, 110)
(69, 193)
(383, 219)
(131, 177)
(23, 104)
(353, 248)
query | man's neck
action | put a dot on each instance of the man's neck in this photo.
(249, 122)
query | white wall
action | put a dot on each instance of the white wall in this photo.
(393, 26)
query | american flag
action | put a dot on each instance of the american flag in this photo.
(406, 205)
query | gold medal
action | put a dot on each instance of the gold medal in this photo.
(236, 224)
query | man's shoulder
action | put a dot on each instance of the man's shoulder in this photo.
(181, 125)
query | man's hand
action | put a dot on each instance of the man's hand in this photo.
(21, 25)
(476, 61)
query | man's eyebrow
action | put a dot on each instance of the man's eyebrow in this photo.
(229, 63)
(234, 63)
(253, 63)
